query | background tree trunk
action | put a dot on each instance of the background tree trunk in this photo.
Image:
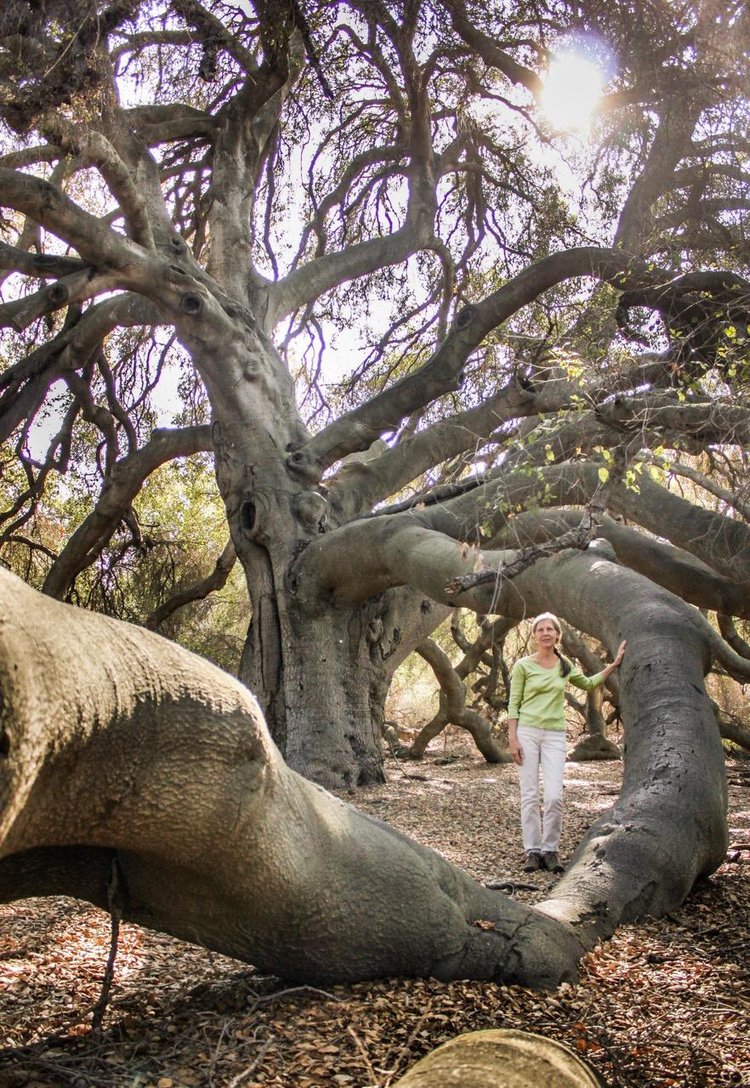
(453, 710)
(595, 744)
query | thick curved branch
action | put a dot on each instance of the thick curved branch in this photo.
(670, 144)
(488, 49)
(168, 122)
(219, 859)
(313, 280)
(30, 156)
(734, 498)
(578, 537)
(659, 715)
(71, 290)
(23, 386)
(733, 730)
(120, 487)
(94, 149)
(719, 542)
(736, 664)
(214, 581)
(443, 372)
(665, 564)
(399, 550)
(730, 634)
(39, 265)
(244, 126)
(426, 548)
(98, 244)
(359, 485)
(707, 421)
(453, 709)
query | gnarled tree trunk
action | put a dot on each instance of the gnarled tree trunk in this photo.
(453, 710)
(121, 749)
(320, 672)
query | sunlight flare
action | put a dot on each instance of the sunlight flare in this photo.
(572, 89)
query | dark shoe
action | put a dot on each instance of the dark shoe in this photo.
(532, 861)
(551, 862)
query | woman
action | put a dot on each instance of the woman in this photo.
(536, 737)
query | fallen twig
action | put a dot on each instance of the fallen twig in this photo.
(113, 889)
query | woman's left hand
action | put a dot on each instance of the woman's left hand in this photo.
(620, 653)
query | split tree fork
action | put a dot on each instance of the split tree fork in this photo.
(537, 737)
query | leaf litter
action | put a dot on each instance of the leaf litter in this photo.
(663, 1003)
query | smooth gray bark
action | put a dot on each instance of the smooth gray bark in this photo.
(121, 748)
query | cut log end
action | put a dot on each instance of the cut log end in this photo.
(501, 1058)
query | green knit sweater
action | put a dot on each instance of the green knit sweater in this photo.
(537, 695)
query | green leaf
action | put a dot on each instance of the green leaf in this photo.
(603, 474)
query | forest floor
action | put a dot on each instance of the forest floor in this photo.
(664, 1003)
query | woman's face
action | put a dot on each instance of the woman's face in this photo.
(545, 635)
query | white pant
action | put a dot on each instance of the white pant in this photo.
(545, 750)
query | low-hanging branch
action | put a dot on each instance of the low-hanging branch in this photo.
(213, 582)
(580, 537)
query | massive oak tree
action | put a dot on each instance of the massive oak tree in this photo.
(421, 334)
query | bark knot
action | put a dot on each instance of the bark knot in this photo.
(465, 316)
(303, 467)
(191, 304)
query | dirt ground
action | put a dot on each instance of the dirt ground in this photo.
(663, 1003)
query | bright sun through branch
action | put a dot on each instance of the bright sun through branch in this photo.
(574, 83)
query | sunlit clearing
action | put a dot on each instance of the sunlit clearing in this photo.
(572, 90)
